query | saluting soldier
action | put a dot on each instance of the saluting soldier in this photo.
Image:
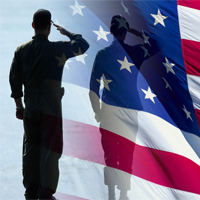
(115, 71)
(38, 66)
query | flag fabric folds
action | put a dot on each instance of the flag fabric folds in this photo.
(160, 134)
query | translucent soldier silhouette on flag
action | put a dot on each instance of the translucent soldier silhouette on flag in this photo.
(114, 76)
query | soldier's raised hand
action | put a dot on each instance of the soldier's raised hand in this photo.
(60, 28)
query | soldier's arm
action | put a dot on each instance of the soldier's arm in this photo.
(95, 85)
(77, 45)
(152, 44)
(135, 32)
(15, 79)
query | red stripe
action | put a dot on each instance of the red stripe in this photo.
(63, 196)
(190, 3)
(82, 141)
(168, 169)
(197, 112)
(191, 56)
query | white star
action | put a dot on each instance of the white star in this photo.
(101, 34)
(149, 94)
(125, 64)
(104, 82)
(187, 112)
(145, 51)
(77, 8)
(81, 58)
(146, 38)
(122, 23)
(168, 66)
(167, 84)
(66, 64)
(159, 18)
(125, 8)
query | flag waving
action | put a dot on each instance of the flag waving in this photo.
(147, 91)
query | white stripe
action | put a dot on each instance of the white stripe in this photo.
(194, 88)
(189, 23)
(140, 127)
(86, 180)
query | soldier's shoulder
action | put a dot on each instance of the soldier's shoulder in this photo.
(24, 45)
(106, 51)
(103, 51)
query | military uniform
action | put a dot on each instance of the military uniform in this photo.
(38, 65)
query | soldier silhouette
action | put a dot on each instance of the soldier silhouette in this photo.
(38, 66)
(115, 69)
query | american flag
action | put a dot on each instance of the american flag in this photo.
(166, 154)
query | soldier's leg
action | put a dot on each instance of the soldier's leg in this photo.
(31, 158)
(109, 145)
(51, 150)
(125, 162)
